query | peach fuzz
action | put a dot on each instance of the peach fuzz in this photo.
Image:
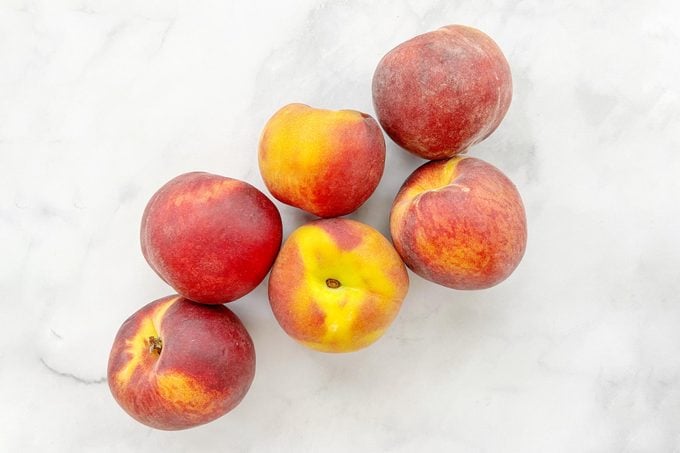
(337, 285)
(443, 91)
(326, 162)
(460, 223)
(176, 364)
(212, 238)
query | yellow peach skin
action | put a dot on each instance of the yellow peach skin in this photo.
(337, 285)
(325, 162)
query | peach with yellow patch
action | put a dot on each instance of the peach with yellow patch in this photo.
(460, 223)
(325, 162)
(176, 364)
(337, 285)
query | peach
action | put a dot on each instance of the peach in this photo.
(441, 92)
(176, 364)
(212, 238)
(322, 161)
(337, 285)
(459, 223)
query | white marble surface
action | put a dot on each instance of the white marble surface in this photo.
(103, 101)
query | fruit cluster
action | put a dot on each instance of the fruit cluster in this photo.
(336, 284)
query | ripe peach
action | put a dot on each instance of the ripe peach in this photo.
(212, 238)
(337, 285)
(176, 364)
(325, 162)
(459, 223)
(441, 92)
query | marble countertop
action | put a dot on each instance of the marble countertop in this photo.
(102, 102)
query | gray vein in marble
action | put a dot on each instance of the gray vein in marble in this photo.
(72, 376)
(56, 335)
(164, 36)
(109, 40)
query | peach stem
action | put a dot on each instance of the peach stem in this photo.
(155, 345)
(332, 283)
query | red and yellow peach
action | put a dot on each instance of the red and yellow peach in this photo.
(326, 162)
(337, 285)
(176, 364)
(460, 223)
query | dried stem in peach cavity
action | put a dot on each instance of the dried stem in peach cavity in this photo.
(155, 345)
